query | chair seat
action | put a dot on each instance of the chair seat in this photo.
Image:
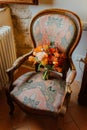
(35, 93)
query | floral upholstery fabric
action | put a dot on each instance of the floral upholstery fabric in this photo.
(40, 94)
(54, 28)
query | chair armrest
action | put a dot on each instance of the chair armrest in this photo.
(18, 62)
(71, 76)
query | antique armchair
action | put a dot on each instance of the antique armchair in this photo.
(30, 91)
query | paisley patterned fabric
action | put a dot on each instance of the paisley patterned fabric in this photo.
(40, 94)
(54, 28)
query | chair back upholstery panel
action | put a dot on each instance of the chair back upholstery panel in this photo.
(55, 26)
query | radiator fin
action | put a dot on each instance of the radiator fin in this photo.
(7, 52)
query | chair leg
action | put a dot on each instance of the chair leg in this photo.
(10, 103)
(64, 107)
(68, 98)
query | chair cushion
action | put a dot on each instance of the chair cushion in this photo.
(36, 93)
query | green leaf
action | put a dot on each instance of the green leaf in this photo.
(39, 66)
(51, 44)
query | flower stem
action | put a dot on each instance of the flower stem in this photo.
(45, 75)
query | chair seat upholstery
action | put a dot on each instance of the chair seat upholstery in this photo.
(36, 93)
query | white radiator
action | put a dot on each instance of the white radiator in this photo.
(7, 53)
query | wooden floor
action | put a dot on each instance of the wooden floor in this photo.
(75, 118)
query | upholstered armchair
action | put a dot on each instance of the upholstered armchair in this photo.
(30, 91)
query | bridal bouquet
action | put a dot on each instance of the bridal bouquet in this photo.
(47, 57)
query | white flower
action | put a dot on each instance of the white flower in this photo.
(40, 55)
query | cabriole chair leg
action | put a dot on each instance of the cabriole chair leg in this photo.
(10, 103)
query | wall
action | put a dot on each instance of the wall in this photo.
(22, 14)
(74, 5)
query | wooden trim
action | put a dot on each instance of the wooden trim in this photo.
(31, 2)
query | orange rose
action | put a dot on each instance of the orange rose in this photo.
(59, 69)
(38, 49)
(31, 59)
(44, 61)
(56, 54)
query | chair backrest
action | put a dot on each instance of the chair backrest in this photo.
(62, 27)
